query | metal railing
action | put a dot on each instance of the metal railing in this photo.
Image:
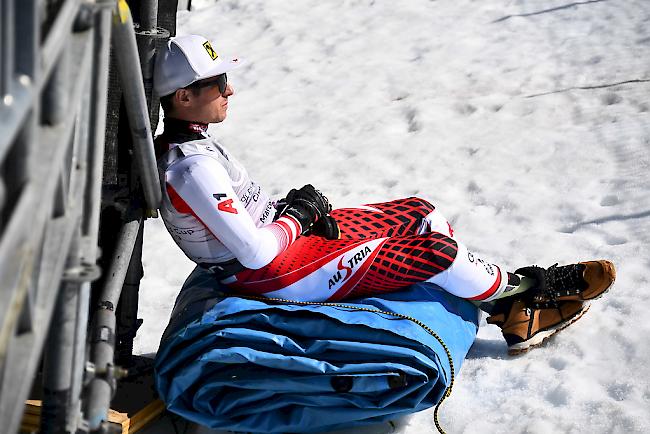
(54, 74)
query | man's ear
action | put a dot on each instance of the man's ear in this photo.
(182, 97)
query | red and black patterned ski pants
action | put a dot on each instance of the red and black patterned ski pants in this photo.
(383, 247)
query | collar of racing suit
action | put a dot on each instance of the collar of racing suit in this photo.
(178, 131)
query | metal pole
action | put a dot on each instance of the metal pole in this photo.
(65, 348)
(80, 344)
(147, 36)
(127, 313)
(126, 53)
(59, 355)
(55, 94)
(7, 46)
(148, 15)
(97, 133)
(120, 265)
(58, 35)
(3, 196)
(102, 336)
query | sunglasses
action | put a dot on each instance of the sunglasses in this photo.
(221, 81)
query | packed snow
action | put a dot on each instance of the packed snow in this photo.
(527, 123)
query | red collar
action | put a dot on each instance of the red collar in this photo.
(178, 126)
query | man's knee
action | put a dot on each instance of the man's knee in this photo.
(435, 221)
(424, 206)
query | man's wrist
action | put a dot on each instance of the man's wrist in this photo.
(291, 226)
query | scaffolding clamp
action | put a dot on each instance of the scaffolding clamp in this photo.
(84, 272)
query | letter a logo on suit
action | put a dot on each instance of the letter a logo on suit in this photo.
(226, 205)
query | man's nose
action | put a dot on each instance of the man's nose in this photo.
(229, 90)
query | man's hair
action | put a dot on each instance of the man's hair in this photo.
(167, 101)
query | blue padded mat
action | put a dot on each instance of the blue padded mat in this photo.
(258, 366)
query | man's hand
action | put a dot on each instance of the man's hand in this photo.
(326, 227)
(308, 206)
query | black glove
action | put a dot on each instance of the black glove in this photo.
(326, 227)
(306, 205)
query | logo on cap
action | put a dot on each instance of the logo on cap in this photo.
(213, 54)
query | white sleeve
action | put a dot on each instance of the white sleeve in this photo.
(204, 185)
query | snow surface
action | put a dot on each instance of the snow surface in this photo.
(507, 115)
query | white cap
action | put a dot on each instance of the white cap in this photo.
(187, 59)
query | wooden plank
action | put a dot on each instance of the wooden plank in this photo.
(148, 414)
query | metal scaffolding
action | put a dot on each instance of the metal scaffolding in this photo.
(54, 76)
